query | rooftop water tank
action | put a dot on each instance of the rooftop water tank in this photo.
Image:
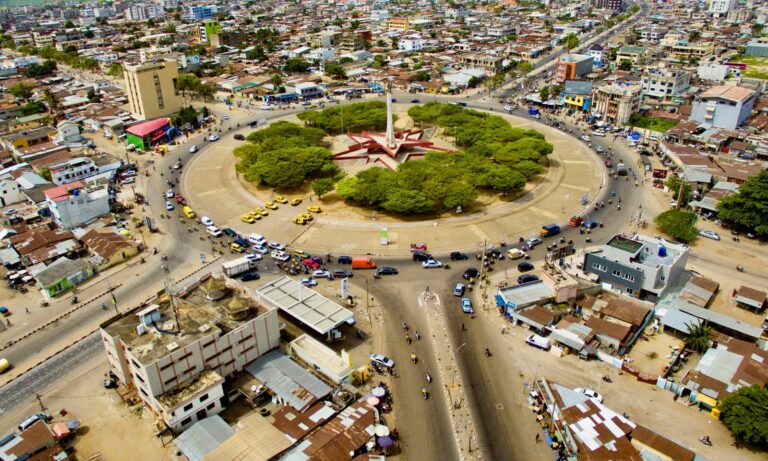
(662, 251)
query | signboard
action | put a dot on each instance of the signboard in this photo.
(659, 173)
(384, 236)
(561, 252)
(344, 288)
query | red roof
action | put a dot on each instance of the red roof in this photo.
(143, 129)
(63, 190)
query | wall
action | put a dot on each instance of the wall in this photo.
(210, 401)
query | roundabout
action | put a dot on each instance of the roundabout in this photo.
(213, 188)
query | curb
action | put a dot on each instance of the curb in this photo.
(56, 319)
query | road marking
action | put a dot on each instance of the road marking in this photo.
(476, 230)
(213, 191)
(582, 188)
(548, 214)
(217, 167)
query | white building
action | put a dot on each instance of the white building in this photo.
(73, 204)
(179, 368)
(73, 170)
(66, 133)
(143, 12)
(411, 43)
(665, 83)
(724, 106)
(712, 72)
(10, 192)
(379, 15)
(720, 8)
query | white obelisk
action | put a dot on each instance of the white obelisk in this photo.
(389, 137)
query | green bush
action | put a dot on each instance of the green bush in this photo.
(351, 118)
(678, 224)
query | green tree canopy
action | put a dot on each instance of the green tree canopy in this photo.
(336, 71)
(745, 413)
(678, 224)
(748, 209)
(355, 118)
(322, 186)
(571, 41)
(699, 335)
(21, 91)
(296, 66)
(625, 64)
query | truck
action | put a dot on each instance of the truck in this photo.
(621, 169)
(548, 230)
(238, 266)
(363, 263)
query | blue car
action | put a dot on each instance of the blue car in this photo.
(466, 306)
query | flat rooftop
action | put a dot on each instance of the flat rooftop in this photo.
(624, 244)
(187, 389)
(199, 315)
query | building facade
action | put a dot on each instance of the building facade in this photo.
(615, 103)
(152, 90)
(490, 64)
(144, 12)
(720, 8)
(196, 13)
(663, 84)
(616, 5)
(571, 66)
(73, 170)
(724, 106)
(74, 204)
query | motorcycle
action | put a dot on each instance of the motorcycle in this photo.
(705, 440)
(74, 300)
(740, 268)
(429, 378)
(607, 379)
(425, 393)
(414, 359)
(487, 352)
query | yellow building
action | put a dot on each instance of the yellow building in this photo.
(151, 89)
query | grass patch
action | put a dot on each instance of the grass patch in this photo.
(751, 60)
(662, 125)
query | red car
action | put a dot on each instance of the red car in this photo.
(608, 163)
(180, 200)
(575, 221)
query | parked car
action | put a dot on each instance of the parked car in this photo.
(380, 360)
(250, 275)
(590, 393)
(308, 282)
(415, 101)
(458, 256)
(322, 274)
(344, 260)
(170, 193)
(470, 273)
(533, 241)
(280, 255)
(709, 234)
(466, 306)
(421, 256)
(525, 266)
(213, 137)
(342, 273)
(169, 206)
(527, 278)
(386, 270)
(206, 221)
(254, 256)
(585, 138)
(257, 239)
(239, 137)
(431, 264)
(260, 249)
(276, 245)
(229, 231)
(459, 290)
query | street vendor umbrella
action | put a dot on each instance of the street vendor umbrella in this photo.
(382, 430)
(74, 424)
(379, 391)
(386, 442)
(373, 401)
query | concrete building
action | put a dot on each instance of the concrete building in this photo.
(597, 52)
(151, 89)
(411, 43)
(757, 48)
(490, 64)
(723, 106)
(74, 204)
(664, 83)
(616, 102)
(177, 352)
(144, 12)
(73, 170)
(640, 266)
(653, 32)
(720, 8)
(712, 72)
(634, 54)
(577, 94)
(196, 13)
(10, 192)
(571, 66)
(616, 5)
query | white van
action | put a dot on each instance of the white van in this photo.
(538, 341)
(213, 230)
(257, 239)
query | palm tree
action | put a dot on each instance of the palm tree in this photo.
(699, 335)
(52, 101)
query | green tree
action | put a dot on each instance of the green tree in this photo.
(674, 183)
(699, 335)
(114, 70)
(421, 76)
(21, 91)
(757, 29)
(524, 67)
(296, 66)
(256, 54)
(69, 25)
(51, 100)
(336, 71)
(459, 194)
(571, 41)
(187, 83)
(528, 168)
(678, 224)
(745, 413)
(33, 107)
(408, 201)
(544, 94)
(625, 64)
(748, 209)
(93, 96)
(322, 186)
(694, 36)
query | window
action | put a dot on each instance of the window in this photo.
(616, 272)
(166, 366)
(169, 381)
(210, 406)
(203, 398)
(188, 407)
(186, 421)
(599, 267)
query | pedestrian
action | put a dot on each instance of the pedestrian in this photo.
(427, 290)
(463, 328)
(538, 437)
(26, 309)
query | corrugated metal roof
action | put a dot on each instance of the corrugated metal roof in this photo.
(203, 437)
(289, 381)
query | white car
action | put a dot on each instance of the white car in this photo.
(308, 282)
(276, 246)
(193, 149)
(213, 137)
(266, 107)
(431, 264)
(225, 117)
(206, 221)
(533, 241)
(710, 234)
(254, 256)
(170, 193)
(378, 359)
(280, 255)
(257, 239)
(260, 249)
(598, 133)
(585, 138)
(590, 393)
(321, 274)
(169, 206)
(214, 231)
(129, 181)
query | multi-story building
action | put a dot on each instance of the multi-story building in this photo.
(681, 49)
(723, 106)
(325, 39)
(597, 52)
(616, 5)
(42, 39)
(411, 43)
(720, 8)
(653, 32)
(634, 54)
(640, 266)
(664, 83)
(10, 192)
(351, 41)
(577, 94)
(154, 54)
(143, 12)
(616, 102)
(151, 89)
(196, 13)
(72, 170)
(399, 23)
(491, 64)
(571, 66)
(74, 204)
(178, 350)
(226, 37)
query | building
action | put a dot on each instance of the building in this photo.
(108, 247)
(616, 5)
(73, 170)
(634, 54)
(597, 52)
(723, 106)
(154, 53)
(74, 204)
(151, 89)
(757, 48)
(399, 23)
(639, 266)
(577, 94)
(714, 72)
(662, 84)
(720, 8)
(61, 275)
(616, 102)
(144, 12)
(226, 37)
(10, 192)
(150, 133)
(571, 66)
(206, 30)
(196, 13)
(653, 32)
(488, 63)
(411, 43)
(177, 352)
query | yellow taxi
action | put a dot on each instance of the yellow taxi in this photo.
(280, 199)
(301, 220)
(261, 211)
(270, 205)
(235, 248)
(306, 216)
(314, 209)
(296, 201)
(248, 218)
